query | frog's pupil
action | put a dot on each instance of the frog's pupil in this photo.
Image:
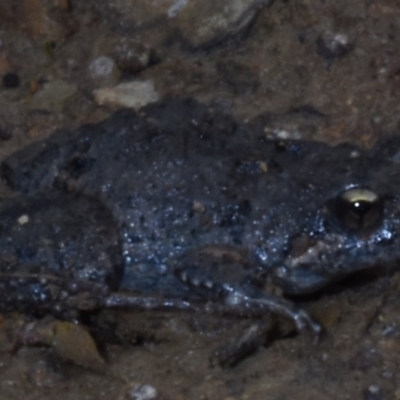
(361, 210)
(362, 207)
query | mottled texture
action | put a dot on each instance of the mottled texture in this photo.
(57, 250)
(208, 208)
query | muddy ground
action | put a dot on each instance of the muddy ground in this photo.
(324, 70)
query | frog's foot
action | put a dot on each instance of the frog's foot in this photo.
(259, 305)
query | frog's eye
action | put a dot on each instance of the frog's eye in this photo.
(359, 209)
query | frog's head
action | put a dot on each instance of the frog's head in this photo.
(357, 228)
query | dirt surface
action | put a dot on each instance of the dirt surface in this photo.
(315, 70)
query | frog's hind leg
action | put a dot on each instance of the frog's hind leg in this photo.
(220, 280)
(258, 304)
(234, 301)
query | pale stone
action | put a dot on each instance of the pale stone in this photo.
(135, 94)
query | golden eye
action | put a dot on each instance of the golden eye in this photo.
(359, 209)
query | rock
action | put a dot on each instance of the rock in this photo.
(73, 343)
(132, 56)
(142, 392)
(177, 7)
(134, 94)
(53, 96)
(204, 23)
(373, 392)
(331, 46)
(200, 23)
(104, 71)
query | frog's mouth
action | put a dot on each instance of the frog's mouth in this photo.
(314, 264)
(306, 270)
(300, 281)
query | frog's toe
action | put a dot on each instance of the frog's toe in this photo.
(304, 322)
(260, 304)
(200, 281)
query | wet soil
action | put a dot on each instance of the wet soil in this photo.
(315, 70)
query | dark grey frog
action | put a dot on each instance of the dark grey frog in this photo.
(180, 206)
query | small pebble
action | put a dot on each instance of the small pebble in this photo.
(373, 392)
(134, 94)
(11, 80)
(102, 66)
(332, 46)
(132, 56)
(207, 23)
(176, 8)
(104, 70)
(23, 219)
(143, 392)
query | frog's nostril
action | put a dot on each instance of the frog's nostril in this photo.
(358, 209)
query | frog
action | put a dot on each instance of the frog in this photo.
(180, 206)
